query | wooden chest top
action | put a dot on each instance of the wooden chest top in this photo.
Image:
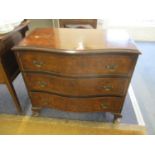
(78, 41)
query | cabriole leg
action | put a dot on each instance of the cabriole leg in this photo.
(36, 111)
(117, 117)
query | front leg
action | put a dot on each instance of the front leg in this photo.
(36, 111)
(117, 117)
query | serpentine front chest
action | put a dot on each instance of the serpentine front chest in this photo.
(77, 70)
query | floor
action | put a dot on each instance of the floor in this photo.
(48, 126)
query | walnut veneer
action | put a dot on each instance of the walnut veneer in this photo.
(77, 70)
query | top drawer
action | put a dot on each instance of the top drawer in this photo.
(77, 65)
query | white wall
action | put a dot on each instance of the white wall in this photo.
(142, 33)
(139, 31)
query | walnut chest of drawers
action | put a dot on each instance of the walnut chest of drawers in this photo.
(77, 70)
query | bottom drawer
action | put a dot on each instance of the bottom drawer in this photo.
(74, 104)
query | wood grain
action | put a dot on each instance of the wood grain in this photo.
(75, 104)
(77, 65)
(71, 68)
(78, 41)
(76, 86)
(1, 76)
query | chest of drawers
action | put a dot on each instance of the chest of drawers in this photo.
(77, 70)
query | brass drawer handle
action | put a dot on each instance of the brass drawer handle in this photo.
(38, 63)
(108, 88)
(104, 106)
(42, 84)
(111, 67)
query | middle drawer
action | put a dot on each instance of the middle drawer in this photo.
(76, 86)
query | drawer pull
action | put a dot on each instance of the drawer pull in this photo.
(111, 67)
(38, 63)
(104, 106)
(42, 84)
(107, 88)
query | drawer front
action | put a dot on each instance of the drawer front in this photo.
(98, 104)
(77, 65)
(76, 86)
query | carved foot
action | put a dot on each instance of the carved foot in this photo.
(117, 118)
(36, 111)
